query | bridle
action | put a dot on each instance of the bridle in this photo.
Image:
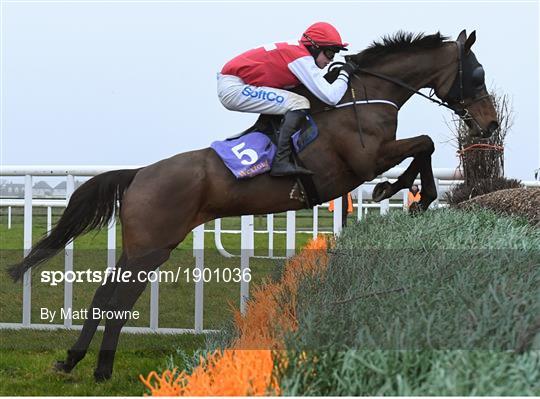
(458, 105)
(455, 98)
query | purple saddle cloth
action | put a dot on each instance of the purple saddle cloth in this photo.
(247, 156)
(252, 154)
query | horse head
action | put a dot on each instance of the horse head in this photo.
(415, 62)
(467, 94)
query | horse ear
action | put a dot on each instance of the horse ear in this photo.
(462, 36)
(470, 41)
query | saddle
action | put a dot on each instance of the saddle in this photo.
(269, 126)
(251, 152)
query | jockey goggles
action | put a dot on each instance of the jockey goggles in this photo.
(329, 53)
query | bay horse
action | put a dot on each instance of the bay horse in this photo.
(161, 203)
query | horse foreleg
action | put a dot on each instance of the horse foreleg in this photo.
(421, 164)
(123, 300)
(344, 209)
(77, 352)
(393, 153)
(428, 193)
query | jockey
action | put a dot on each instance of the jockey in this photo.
(257, 81)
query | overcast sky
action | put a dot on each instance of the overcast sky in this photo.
(132, 82)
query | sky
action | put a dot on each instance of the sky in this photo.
(132, 82)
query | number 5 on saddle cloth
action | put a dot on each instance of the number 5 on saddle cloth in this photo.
(252, 153)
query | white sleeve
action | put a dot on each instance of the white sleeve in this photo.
(305, 69)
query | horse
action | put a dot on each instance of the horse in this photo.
(161, 203)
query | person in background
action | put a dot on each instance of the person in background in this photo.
(414, 195)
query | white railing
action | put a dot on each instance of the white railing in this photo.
(442, 176)
(69, 172)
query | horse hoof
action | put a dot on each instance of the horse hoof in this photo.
(381, 191)
(61, 366)
(101, 376)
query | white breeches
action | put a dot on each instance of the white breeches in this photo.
(236, 95)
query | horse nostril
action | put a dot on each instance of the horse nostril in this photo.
(492, 127)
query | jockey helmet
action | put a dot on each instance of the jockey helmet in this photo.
(322, 34)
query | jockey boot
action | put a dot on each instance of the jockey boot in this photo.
(282, 165)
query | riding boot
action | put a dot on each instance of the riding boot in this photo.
(282, 166)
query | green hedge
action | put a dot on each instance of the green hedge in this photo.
(443, 303)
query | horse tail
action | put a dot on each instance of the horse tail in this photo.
(91, 206)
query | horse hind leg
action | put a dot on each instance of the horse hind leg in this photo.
(78, 351)
(123, 300)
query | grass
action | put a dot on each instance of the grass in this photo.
(372, 259)
(27, 356)
(415, 373)
(445, 303)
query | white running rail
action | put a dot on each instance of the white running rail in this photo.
(442, 176)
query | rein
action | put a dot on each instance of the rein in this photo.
(462, 112)
(356, 102)
(399, 82)
(459, 78)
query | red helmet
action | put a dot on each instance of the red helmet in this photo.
(322, 34)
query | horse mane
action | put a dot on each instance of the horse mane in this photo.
(400, 42)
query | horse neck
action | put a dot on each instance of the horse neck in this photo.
(434, 68)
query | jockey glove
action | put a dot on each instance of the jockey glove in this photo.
(350, 67)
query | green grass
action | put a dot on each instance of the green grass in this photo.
(414, 373)
(457, 278)
(445, 303)
(27, 356)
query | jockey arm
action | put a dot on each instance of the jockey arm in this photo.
(305, 69)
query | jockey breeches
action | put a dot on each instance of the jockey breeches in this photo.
(236, 95)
